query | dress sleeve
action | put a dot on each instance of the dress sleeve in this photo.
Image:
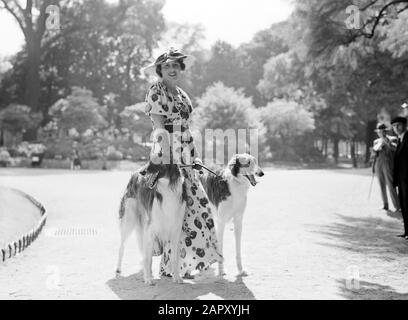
(154, 102)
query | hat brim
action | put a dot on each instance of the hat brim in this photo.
(397, 121)
(150, 70)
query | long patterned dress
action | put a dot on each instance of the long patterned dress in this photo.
(198, 243)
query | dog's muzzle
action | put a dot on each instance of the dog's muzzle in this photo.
(251, 179)
(260, 173)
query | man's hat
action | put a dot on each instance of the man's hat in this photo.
(169, 55)
(402, 120)
(380, 126)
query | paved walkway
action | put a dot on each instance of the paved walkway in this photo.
(306, 233)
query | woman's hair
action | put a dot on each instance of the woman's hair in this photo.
(159, 67)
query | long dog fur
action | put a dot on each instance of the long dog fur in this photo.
(156, 214)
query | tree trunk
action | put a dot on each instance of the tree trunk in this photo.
(325, 147)
(336, 150)
(32, 85)
(353, 153)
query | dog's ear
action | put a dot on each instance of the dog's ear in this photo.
(235, 167)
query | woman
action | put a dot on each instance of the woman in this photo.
(169, 108)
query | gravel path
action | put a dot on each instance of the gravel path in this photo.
(307, 235)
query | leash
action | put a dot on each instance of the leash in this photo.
(202, 166)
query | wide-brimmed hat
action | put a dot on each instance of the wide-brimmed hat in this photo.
(402, 120)
(380, 127)
(169, 55)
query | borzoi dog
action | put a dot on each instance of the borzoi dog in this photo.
(156, 212)
(227, 193)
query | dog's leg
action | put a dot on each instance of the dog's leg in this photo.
(127, 225)
(220, 237)
(175, 259)
(238, 235)
(147, 256)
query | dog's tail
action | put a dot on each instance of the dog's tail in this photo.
(122, 207)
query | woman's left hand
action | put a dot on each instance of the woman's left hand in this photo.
(197, 165)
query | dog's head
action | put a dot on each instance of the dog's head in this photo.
(167, 172)
(245, 165)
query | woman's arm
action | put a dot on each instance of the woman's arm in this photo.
(161, 139)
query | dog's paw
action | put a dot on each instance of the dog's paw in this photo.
(149, 282)
(118, 273)
(221, 274)
(178, 280)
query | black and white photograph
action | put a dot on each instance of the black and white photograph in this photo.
(207, 150)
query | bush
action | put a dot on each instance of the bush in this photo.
(114, 155)
(60, 147)
(4, 158)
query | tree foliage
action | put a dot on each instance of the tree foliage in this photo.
(79, 111)
(222, 107)
(18, 119)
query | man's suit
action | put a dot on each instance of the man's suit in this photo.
(384, 165)
(400, 178)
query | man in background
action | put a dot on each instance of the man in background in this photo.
(400, 177)
(384, 148)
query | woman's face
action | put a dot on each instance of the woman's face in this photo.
(171, 71)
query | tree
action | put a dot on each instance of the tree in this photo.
(253, 56)
(79, 111)
(286, 122)
(88, 21)
(225, 66)
(222, 107)
(135, 121)
(17, 119)
(329, 27)
(395, 40)
(284, 76)
(4, 67)
(229, 110)
(33, 27)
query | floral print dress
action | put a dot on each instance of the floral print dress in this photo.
(198, 243)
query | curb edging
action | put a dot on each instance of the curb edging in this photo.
(25, 240)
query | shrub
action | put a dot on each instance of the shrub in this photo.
(114, 155)
(4, 158)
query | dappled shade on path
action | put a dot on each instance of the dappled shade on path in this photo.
(132, 288)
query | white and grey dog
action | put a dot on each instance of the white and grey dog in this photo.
(156, 214)
(227, 193)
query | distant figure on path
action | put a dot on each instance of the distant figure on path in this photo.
(400, 180)
(76, 160)
(384, 148)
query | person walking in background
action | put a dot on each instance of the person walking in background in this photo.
(76, 160)
(400, 177)
(384, 148)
